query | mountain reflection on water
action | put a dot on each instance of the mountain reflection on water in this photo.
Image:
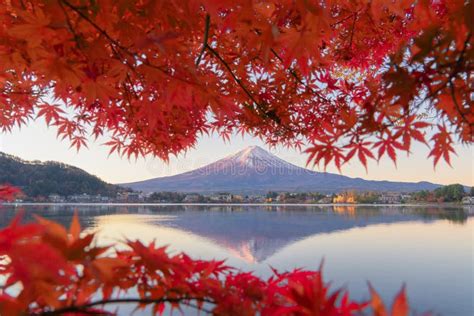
(430, 248)
(252, 232)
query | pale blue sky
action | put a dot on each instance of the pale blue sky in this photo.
(37, 142)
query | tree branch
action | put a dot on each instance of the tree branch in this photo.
(234, 76)
(68, 21)
(206, 36)
(352, 31)
(293, 72)
(451, 75)
(297, 77)
(97, 27)
(459, 109)
(260, 108)
(121, 47)
(263, 112)
(84, 307)
(344, 19)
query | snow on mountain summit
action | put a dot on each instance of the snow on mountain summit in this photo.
(255, 156)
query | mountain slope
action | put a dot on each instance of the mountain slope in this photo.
(37, 178)
(254, 170)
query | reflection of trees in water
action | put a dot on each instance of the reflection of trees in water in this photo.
(455, 215)
(451, 213)
(59, 213)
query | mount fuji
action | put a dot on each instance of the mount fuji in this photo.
(255, 170)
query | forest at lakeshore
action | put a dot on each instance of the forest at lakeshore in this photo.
(36, 178)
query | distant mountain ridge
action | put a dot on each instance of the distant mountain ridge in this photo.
(255, 170)
(36, 178)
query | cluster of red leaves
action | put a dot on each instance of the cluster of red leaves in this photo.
(8, 193)
(48, 270)
(342, 77)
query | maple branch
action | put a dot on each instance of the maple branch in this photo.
(458, 108)
(293, 72)
(206, 36)
(352, 31)
(91, 22)
(68, 21)
(297, 77)
(452, 75)
(234, 76)
(112, 47)
(239, 82)
(117, 44)
(84, 307)
(264, 112)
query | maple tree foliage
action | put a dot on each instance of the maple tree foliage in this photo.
(346, 79)
(7, 192)
(343, 78)
(54, 271)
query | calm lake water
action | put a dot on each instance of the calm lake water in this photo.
(430, 249)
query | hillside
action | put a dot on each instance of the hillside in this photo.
(37, 178)
(254, 170)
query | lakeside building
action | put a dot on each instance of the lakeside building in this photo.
(468, 200)
(86, 198)
(56, 198)
(237, 198)
(406, 197)
(221, 197)
(326, 200)
(391, 198)
(80, 198)
(192, 198)
(130, 197)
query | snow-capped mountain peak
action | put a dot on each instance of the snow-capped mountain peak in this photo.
(254, 169)
(254, 156)
(252, 153)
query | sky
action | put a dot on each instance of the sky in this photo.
(38, 142)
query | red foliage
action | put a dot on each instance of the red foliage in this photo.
(48, 270)
(343, 77)
(338, 76)
(8, 193)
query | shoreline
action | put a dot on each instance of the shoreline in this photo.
(457, 205)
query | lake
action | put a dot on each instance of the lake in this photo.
(429, 248)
